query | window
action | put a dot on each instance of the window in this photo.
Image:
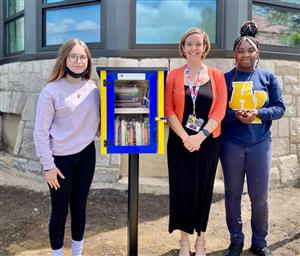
(52, 1)
(13, 7)
(14, 26)
(63, 20)
(152, 26)
(278, 25)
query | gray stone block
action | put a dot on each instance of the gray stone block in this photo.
(14, 72)
(34, 166)
(177, 62)
(115, 160)
(287, 89)
(19, 138)
(27, 147)
(105, 175)
(290, 111)
(19, 99)
(288, 99)
(275, 177)
(20, 164)
(295, 130)
(4, 82)
(6, 99)
(154, 63)
(288, 79)
(283, 127)
(223, 64)
(28, 113)
(280, 146)
(122, 62)
(296, 88)
(289, 169)
(274, 128)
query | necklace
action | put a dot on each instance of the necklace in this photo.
(194, 88)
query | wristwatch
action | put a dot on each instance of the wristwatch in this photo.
(205, 132)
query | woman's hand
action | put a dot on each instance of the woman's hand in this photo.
(246, 116)
(193, 142)
(51, 178)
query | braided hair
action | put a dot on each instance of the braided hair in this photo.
(248, 33)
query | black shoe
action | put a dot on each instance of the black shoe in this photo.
(261, 251)
(234, 250)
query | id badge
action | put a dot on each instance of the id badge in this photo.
(194, 123)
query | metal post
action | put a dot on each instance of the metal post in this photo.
(133, 197)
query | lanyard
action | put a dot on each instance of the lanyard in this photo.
(194, 92)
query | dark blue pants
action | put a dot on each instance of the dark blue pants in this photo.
(254, 162)
(78, 170)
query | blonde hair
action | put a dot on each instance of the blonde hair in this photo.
(191, 31)
(58, 71)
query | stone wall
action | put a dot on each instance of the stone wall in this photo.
(20, 84)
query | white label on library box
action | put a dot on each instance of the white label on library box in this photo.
(131, 76)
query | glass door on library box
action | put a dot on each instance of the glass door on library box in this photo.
(132, 110)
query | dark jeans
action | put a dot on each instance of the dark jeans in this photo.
(78, 170)
(254, 162)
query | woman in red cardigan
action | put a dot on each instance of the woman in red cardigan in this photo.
(195, 103)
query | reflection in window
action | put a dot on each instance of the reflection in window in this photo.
(152, 27)
(290, 1)
(13, 7)
(77, 22)
(16, 35)
(52, 1)
(277, 26)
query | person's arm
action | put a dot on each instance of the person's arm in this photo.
(276, 107)
(170, 114)
(41, 134)
(193, 142)
(176, 126)
(43, 120)
(219, 110)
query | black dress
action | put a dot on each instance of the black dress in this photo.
(191, 175)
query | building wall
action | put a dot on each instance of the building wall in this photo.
(20, 84)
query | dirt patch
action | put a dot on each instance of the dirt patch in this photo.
(25, 215)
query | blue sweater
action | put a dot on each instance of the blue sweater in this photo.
(259, 89)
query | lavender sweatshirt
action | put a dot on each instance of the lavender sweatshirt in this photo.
(67, 119)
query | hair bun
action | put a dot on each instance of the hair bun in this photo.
(249, 29)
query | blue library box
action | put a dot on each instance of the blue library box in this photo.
(132, 110)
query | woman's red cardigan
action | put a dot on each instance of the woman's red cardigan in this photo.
(175, 95)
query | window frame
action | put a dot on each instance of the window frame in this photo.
(269, 50)
(6, 21)
(41, 29)
(171, 47)
(118, 33)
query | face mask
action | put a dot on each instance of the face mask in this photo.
(75, 75)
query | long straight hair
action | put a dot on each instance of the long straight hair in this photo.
(58, 71)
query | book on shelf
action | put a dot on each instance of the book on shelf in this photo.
(131, 131)
(128, 104)
(138, 133)
(132, 94)
(145, 131)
